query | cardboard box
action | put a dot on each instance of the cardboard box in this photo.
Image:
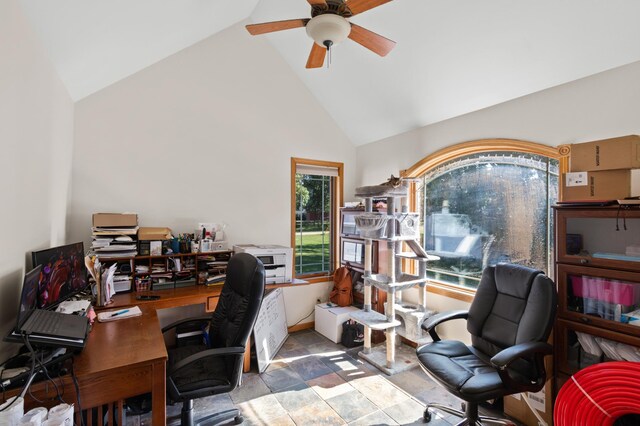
(542, 401)
(152, 234)
(607, 154)
(600, 185)
(328, 320)
(114, 220)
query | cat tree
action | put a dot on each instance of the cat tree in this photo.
(400, 319)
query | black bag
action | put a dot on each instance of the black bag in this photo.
(352, 334)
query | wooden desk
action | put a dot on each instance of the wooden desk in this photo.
(171, 298)
(126, 358)
(121, 359)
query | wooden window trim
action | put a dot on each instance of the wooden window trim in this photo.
(337, 201)
(560, 153)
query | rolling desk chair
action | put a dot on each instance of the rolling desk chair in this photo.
(510, 320)
(196, 371)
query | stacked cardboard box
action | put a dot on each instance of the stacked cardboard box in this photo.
(603, 170)
(114, 235)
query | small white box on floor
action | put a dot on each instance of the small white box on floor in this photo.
(329, 320)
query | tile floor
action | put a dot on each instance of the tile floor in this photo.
(313, 381)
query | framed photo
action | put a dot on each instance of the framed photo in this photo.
(155, 248)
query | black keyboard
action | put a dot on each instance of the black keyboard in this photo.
(42, 322)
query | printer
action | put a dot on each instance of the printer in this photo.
(276, 260)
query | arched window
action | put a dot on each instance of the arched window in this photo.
(486, 202)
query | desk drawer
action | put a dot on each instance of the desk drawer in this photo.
(212, 302)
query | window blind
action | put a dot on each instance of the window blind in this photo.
(308, 169)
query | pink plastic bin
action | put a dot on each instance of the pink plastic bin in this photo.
(606, 290)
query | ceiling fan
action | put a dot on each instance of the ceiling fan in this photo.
(328, 26)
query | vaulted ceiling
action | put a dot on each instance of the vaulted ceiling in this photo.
(452, 56)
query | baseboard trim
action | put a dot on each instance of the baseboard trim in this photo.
(300, 327)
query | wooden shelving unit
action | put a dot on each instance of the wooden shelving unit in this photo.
(597, 284)
(162, 271)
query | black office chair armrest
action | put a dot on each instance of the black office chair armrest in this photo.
(504, 358)
(194, 320)
(430, 323)
(233, 350)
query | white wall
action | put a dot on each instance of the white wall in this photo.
(205, 135)
(601, 106)
(597, 107)
(36, 133)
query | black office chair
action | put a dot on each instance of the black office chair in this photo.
(196, 371)
(510, 320)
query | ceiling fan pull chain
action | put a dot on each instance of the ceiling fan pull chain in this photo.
(328, 44)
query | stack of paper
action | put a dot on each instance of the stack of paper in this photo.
(119, 314)
(103, 287)
(110, 243)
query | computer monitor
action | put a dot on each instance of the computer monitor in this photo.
(29, 298)
(63, 273)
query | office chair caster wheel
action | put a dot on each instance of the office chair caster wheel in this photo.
(238, 419)
(427, 416)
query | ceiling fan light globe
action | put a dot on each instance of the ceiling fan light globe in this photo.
(328, 27)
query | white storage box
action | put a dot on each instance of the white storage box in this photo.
(329, 320)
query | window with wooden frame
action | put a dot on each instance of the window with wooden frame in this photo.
(486, 202)
(316, 196)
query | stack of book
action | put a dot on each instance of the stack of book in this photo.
(114, 235)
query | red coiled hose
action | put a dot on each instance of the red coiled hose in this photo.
(598, 395)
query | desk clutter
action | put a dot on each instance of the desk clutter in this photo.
(18, 372)
(117, 235)
(60, 415)
(142, 259)
(102, 275)
(114, 234)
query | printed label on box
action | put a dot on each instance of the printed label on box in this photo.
(537, 400)
(576, 179)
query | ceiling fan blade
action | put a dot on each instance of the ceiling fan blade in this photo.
(316, 57)
(372, 41)
(269, 27)
(318, 2)
(359, 6)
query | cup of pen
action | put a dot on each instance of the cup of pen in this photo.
(175, 245)
(143, 285)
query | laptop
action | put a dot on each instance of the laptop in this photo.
(43, 326)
